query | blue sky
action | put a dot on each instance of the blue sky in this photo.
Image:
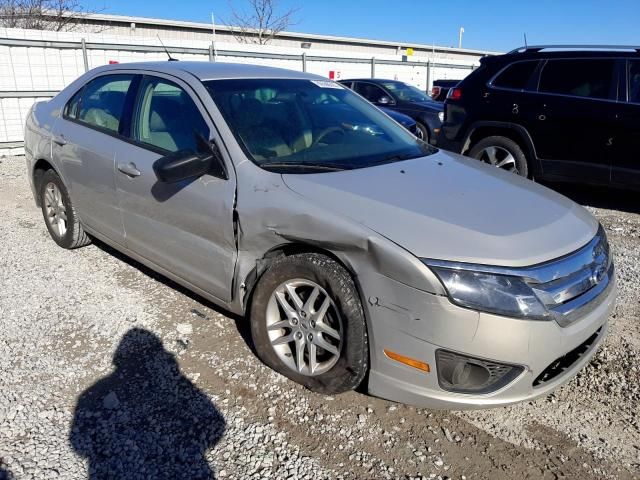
(489, 24)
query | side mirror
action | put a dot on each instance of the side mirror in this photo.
(384, 100)
(185, 164)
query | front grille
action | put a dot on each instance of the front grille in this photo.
(572, 286)
(565, 362)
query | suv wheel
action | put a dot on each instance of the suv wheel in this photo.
(59, 214)
(307, 323)
(501, 152)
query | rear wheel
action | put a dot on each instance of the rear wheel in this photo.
(59, 213)
(501, 152)
(307, 323)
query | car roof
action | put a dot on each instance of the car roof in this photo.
(372, 80)
(214, 70)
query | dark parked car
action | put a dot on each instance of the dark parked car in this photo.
(402, 98)
(549, 112)
(441, 88)
(404, 120)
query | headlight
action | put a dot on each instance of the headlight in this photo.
(441, 116)
(489, 292)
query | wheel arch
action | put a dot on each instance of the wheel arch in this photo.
(39, 168)
(513, 131)
(288, 249)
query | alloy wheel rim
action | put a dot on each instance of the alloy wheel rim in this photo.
(56, 209)
(304, 327)
(499, 157)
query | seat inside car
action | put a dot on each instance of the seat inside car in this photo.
(262, 139)
(104, 109)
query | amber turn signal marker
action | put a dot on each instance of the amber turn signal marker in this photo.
(412, 362)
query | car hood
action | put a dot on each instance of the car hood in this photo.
(449, 207)
(401, 118)
(432, 106)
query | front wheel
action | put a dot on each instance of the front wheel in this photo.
(422, 132)
(307, 323)
(501, 152)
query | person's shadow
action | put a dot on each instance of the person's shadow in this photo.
(146, 419)
(4, 474)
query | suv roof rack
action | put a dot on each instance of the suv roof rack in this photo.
(538, 48)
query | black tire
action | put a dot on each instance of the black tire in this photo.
(426, 136)
(74, 236)
(521, 164)
(353, 361)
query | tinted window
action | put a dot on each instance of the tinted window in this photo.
(405, 92)
(168, 118)
(371, 92)
(515, 76)
(103, 101)
(308, 125)
(580, 78)
(71, 110)
(634, 81)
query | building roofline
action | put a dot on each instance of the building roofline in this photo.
(101, 17)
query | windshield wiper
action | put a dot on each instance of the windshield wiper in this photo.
(330, 167)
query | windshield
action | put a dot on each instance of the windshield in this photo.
(310, 125)
(405, 92)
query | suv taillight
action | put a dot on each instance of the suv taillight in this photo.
(455, 94)
(435, 91)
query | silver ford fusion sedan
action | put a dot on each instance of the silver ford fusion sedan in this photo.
(354, 250)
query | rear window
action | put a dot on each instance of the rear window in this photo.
(590, 78)
(516, 76)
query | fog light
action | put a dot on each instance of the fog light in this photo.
(463, 374)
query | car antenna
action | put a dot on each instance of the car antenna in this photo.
(525, 41)
(171, 59)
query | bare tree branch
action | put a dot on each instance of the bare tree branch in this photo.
(261, 23)
(57, 15)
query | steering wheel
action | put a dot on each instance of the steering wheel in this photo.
(326, 132)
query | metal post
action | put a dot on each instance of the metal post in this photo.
(211, 59)
(304, 61)
(84, 55)
(373, 67)
(428, 75)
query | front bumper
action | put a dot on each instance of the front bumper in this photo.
(426, 323)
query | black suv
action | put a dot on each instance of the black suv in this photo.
(402, 98)
(558, 113)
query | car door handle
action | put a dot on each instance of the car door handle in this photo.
(129, 169)
(59, 140)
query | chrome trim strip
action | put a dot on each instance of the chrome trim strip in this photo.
(567, 313)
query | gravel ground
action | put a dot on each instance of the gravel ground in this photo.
(111, 371)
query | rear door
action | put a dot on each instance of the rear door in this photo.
(186, 227)
(626, 160)
(86, 140)
(571, 123)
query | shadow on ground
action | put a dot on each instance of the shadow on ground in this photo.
(4, 473)
(146, 419)
(600, 197)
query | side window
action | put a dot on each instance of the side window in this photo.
(580, 77)
(515, 76)
(634, 81)
(371, 92)
(71, 109)
(167, 118)
(103, 101)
